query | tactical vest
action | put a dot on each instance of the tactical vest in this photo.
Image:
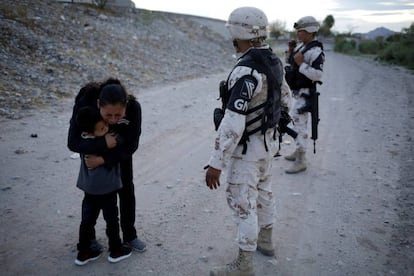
(294, 78)
(264, 109)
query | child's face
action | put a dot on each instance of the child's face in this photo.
(101, 128)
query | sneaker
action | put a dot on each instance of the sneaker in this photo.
(87, 256)
(137, 245)
(119, 254)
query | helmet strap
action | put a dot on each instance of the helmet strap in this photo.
(256, 42)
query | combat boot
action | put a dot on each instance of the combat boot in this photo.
(292, 157)
(299, 165)
(241, 266)
(264, 242)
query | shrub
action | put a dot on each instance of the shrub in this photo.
(368, 47)
(345, 45)
(100, 3)
(398, 53)
(399, 49)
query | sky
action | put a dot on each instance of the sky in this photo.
(355, 16)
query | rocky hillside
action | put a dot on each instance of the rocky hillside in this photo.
(49, 49)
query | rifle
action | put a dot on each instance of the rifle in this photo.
(218, 113)
(284, 120)
(283, 128)
(314, 115)
(312, 106)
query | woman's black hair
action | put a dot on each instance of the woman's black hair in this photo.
(89, 92)
(112, 92)
(87, 118)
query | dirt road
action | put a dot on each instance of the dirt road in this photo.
(350, 213)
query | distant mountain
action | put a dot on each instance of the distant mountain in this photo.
(381, 31)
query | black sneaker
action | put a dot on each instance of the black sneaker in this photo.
(87, 256)
(119, 254)
(136, 245)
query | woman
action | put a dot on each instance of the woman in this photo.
(123, 114)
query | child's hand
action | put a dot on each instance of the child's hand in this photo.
(110, 139)
(93, 161)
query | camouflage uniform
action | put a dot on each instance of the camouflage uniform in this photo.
(249, 192)
(312, 69)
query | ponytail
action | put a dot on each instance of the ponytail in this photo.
(112, 92)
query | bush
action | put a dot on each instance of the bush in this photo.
(397, 49)
(368, 47)
(345, 45)
(399, 54)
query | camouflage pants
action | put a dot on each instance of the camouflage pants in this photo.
(249, 195)
(300, 123)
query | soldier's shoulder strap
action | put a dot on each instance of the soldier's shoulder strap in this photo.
(312, 44)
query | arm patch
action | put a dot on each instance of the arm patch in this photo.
(241, 94)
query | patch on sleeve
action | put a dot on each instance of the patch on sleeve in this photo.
(241, 94)
(247, 89)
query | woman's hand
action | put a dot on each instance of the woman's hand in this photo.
(110, 139)
(93, 161)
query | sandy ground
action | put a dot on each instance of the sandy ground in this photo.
(350, 213)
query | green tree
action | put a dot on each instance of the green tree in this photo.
(277, 28)
(327, 25)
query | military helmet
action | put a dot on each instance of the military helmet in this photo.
(247, 23)
(307, 23)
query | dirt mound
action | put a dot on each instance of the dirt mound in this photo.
(49, 49)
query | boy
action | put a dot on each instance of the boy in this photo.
(100, 186)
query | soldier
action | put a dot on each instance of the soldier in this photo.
(247, 140)
(302, 76)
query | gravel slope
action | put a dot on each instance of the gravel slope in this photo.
(48, 49)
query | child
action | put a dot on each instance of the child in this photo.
(100, 186)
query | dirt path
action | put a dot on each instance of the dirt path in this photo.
(350, 213)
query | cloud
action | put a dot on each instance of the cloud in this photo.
(343, 5)
(361, 15)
